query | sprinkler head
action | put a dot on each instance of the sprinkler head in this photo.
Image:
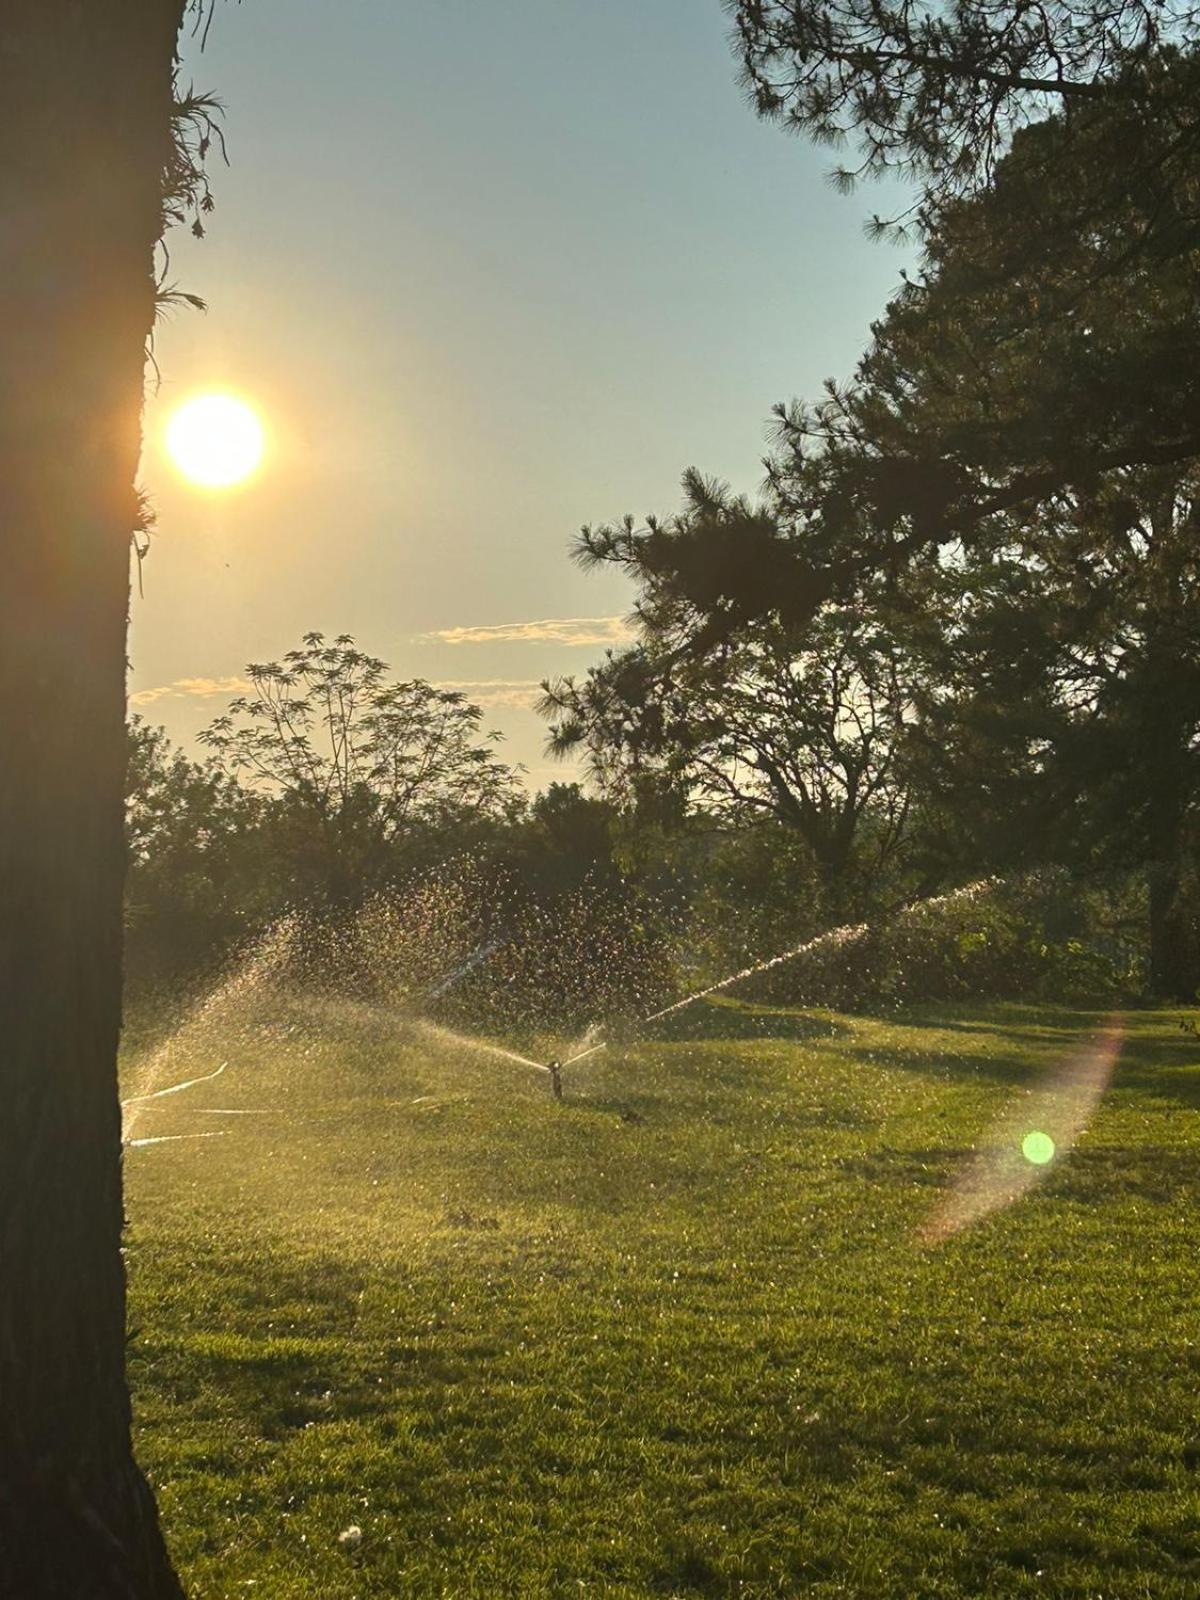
(554, 1068)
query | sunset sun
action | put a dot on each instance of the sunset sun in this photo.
(216, 440)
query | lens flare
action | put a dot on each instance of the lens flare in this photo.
(1011, 1156)
(1038, 1148)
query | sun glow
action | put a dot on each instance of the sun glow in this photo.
(216, 440)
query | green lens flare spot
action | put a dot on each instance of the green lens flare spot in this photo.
(1038, 1148)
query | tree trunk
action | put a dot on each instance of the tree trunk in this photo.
(1164, 758)
(86, 87)
(1172, 949)
(1173, 974)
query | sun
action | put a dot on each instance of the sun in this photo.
(216, 440)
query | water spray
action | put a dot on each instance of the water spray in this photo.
(475, 959)
(278, 945)
(171, 1138)
(266, 958)
(847, 934)
(175, 1088)
(448, 1036)
(841, 935)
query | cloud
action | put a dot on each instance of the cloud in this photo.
(193, 688)
(515, 694)
(549, 630)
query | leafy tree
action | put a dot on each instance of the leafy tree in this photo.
(764, 726)
(1059, 151)
(172, 801)
(1047, 350)
(568, 839)
(1050, 340)
(1024, 426)
(1049, 346)
(195, 839)
(356, 765)
(93, 134)
(1065, 718)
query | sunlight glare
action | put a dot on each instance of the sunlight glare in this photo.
(1037, 1147)
(216, 440)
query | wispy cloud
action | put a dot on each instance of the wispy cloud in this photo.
(515, 694)
(547, 630)
(191, 688)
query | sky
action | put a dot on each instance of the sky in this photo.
(489, 270)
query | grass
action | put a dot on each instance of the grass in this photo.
(677, 1336)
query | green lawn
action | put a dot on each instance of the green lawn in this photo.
(677, 1336)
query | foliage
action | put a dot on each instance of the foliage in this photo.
(1065, 718)
(525, 919)
(936, 92)
(193, 885)
(357, 765)
(1048, 350)
(750, 893)
(1032, 938)
(1007, 490)
(768, 724)
(566, 839)
(329, 785)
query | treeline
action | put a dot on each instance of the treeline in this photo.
(377, 817)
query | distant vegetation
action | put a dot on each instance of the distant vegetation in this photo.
(380, 815)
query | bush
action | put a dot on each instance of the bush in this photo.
(990, 940)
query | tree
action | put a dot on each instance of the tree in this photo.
(760, 723)
(568, 840)
(1010, 473)
(1060, 250)
(195, 843)
(355, 764)
(1049, 346)
(1024, 425)
(1063, 719)
(937, 93)
(1058, 149)
(90, 136)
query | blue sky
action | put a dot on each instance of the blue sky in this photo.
(490, 269)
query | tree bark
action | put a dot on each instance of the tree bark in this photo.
(1173, 967)
(1173, 973)
(86, 87)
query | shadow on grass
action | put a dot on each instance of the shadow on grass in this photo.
(970, 1066)
(932, 1168)
(268, 1349)
(1157, 1173)
(1150, 1065)
(715, 1020)
(1150, 1172)
(1000, 1016)
(1161, 1067)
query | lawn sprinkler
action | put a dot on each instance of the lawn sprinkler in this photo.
(554, 1068)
